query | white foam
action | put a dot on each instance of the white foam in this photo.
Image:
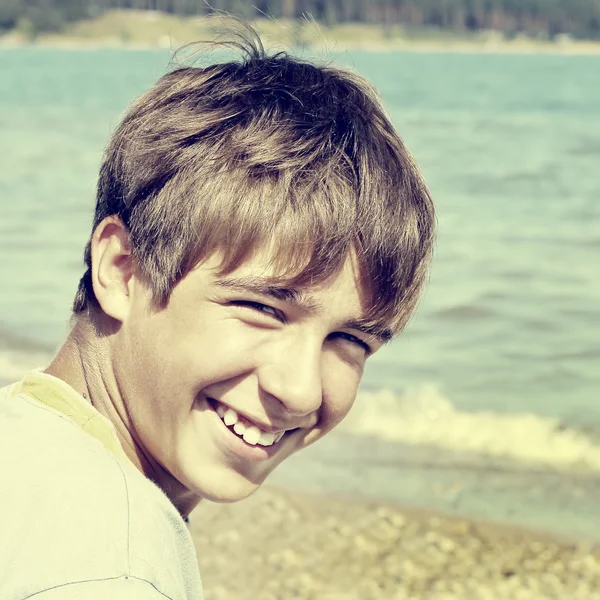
(425, 417)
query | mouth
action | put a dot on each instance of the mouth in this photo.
(247, 432)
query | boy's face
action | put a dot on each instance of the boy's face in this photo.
(286, 361)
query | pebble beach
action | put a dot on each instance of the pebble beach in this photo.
(279, 545)
(488, 404)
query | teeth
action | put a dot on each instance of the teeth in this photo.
(252, 435)
(239, 428)
(266, 438)
(230, 417)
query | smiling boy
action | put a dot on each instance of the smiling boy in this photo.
(260, 231)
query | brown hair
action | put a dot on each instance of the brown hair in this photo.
(267, 149)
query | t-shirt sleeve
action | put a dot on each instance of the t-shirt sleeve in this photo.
(120, 588)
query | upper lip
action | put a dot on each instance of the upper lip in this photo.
(262, 425)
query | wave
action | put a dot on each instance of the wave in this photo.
(465, 313)
(424, 417)
(421, 417)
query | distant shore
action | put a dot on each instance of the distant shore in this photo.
(149, 30)
(278, 545)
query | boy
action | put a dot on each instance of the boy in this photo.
(260, 231)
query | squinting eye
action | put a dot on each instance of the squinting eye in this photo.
(354, 340)
(258, 307)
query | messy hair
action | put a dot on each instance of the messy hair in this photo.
(267, 150)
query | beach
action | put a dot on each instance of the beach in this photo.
(279, 545)
(486, 406)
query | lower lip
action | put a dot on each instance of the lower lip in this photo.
(236, 445)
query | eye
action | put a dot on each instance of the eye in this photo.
(354, 340)
(260, 308)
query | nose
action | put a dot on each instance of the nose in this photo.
(291, 373)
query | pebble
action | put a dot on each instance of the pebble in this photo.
(283, 546)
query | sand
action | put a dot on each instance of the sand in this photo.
(279, 545)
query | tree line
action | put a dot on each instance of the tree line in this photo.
(548, 18)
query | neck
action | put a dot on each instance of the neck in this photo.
(84, 363)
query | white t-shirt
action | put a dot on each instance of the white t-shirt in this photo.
(78, 522)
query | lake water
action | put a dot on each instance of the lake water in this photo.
(489, 404)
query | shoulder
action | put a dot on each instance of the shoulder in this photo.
(50, 453)
(71, 511)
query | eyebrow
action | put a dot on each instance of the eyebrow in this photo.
(264, 287)
(381, 335)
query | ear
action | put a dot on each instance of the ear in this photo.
(112, 267)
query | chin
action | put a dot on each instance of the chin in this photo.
(222, 495)
(225, 488)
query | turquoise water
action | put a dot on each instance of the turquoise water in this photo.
(496, 382)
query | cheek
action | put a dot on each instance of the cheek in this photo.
(201, 351)
(340, 387)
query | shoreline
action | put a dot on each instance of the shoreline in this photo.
(422, 514)
(278, 544)
(409, 47)
(151, 30)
